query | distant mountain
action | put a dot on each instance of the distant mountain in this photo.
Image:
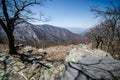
(42, 35)
(61, 33)
(76, 30)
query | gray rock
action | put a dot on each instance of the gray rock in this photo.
(6, 63)
(81, 51)
(50, 74)
(42, 51)
(28, 49)
(35, 58)
(19, 46)
(92, 67)
(6, 60)
(38, 57)
(31, 58)
(18, 66)
(84, 63)
(2, 54)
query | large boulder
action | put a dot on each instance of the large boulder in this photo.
(83, 63)
(28, 49)
(42, 52)
(92, 67)
(81, 51)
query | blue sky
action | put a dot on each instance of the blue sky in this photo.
(71, 13)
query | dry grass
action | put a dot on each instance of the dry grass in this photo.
(58, 53)
(55, 55)
(3, 48)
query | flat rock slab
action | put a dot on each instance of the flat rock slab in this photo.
(92, 67)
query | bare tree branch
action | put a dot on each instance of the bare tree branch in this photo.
(3, 25)
(5, 10)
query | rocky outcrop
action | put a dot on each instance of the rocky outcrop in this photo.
(92, 68)
(13, 69)
(81, 51)
(42, 51)
(84, 63)
(28, 49)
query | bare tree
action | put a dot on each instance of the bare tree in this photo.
(13, 10)
(96, 35)
(110, 26)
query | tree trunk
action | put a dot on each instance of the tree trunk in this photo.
(12, 49)
(97, 45)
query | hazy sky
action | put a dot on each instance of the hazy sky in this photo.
(71, 13)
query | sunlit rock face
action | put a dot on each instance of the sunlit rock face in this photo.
(81, 51)
(83, 63)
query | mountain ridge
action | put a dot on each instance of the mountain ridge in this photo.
(39, 35)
